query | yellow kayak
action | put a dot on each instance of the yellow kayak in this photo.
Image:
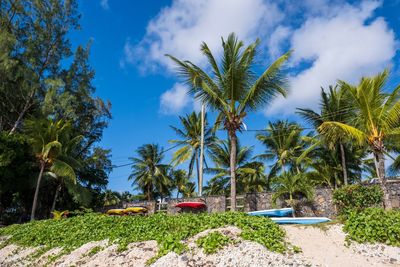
(135, 210)
(116, 212)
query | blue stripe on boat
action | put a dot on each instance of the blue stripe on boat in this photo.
(301, 220)
(272, 212)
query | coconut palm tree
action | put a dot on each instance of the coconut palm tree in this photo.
(335, 106)
(111, 198)
(289, 184)
(68, 155)
(233, 88)
(189, 141)
(376, 123)
(250, 174)
(149, 173)
(217, 186)
(44, 138)
(284, 144)
(180, 180)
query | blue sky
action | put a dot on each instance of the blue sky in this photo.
(331, 40)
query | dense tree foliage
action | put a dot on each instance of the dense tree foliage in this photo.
(36, 84)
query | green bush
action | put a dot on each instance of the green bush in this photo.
(213, 242)
(357, 197)
(73, 232)
(374, 225)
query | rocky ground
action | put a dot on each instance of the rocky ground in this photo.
(320, 247)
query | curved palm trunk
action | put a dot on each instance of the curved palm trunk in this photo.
(379, 160)
(344, 167)
(233, 139)
(53, 206)
(34, 205)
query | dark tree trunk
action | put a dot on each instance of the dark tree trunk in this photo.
(34, 205)
(379, 160)
(233, 139)
(344, 166)
(53, 206)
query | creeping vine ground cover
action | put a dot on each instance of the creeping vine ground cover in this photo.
(374, 225)
(167, 230)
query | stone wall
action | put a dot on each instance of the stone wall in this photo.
(149, 205)
(393, 188)
(214, 203)
(321, 205)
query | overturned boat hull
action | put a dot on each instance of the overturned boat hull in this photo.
(301, 220)
(272, 212)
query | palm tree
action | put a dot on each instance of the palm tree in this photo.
(233, 89)
(289, 184)
(126, 196)
(149, 173)
(250, 174)
(44, 138)
(67, 155)
(190, 136)
(180, 180)
(217, 186)
(189, 190)
(376, 122)
(335, 106)
(284, 145)
(111, 198)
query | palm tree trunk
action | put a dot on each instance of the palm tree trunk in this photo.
(291, 204)
(344, 167)
(34, 205)
(53, 206)
(198, 171)
(233, 139)
(379, 160)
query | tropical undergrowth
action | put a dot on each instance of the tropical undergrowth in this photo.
(373, 225)
(167, 230)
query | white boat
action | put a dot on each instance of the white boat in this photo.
(272, 212)
(300, 220)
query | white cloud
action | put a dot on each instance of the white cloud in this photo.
(276, 41)
(104, 4)
(180, 29)
(174, 100)
(332, 40)
(343, 47)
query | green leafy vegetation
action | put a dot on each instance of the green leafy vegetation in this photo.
(374, 225)
(167, 230)
(213, 242)
(356, 198)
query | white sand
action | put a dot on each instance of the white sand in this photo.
(326, 248)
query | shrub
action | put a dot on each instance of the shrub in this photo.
(357, 197)
(374, 225)
(213, 242)
(168, 230)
